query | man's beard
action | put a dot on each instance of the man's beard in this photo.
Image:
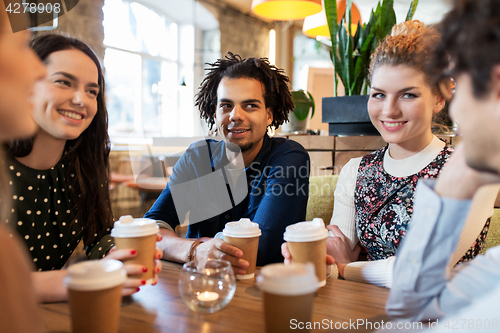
(235, 148)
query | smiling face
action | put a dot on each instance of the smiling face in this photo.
(20, 68)
(401, 106)
(241, 115)
(66, 101)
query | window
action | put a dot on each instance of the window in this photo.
(148, 61)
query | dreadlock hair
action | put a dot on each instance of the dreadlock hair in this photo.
(277, 95)
(87, 157)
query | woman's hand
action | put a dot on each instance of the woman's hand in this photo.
(49, 287)
(338, 247)
(132, 285)
(285, 252)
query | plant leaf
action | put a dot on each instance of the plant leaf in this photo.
(303, 103)
(412, 10)
(331, 18)
(351, 54)
(313, 103)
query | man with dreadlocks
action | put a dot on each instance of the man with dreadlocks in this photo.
(246, 175)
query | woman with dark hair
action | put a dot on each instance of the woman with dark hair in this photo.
(81, 135)
(60, 176)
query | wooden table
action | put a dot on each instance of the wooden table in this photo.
(160, 309)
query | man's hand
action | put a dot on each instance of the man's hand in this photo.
(217, 248)
(459, 181)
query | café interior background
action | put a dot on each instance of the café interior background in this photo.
(154, 53)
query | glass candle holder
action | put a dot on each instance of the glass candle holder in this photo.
(207, 285)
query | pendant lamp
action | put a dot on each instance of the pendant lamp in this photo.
(316, 25)
(285, 10)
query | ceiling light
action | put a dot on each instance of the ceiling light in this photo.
(285, 10)
(316, 25)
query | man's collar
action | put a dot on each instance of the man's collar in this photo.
(264, 150)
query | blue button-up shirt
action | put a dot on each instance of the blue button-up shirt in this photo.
(272, 191)
(424, 286)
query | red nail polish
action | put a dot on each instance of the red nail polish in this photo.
(133, 252)
(157, 270)
(143, 282)
(137, 289)
(144, 269)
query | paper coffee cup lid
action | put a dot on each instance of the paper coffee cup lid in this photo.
(95, 275)
(288, 280)
(244, 228)
(306, 231)
(127, 226)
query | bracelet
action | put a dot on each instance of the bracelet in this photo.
(192, 250)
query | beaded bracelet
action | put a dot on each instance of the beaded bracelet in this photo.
(192, 249)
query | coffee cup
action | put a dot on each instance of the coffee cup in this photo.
(307, 243)
(139, 234)
(95, 293)
(288, 293)
(244, 234)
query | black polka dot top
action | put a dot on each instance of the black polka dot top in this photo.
(43, 214)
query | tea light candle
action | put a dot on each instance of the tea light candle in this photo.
(207, 298)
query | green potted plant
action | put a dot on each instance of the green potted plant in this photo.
(303, 111)
(350, 55)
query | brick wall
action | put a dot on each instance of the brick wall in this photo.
(84, 22)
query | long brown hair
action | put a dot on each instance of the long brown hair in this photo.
(87, 156)
(4, 190)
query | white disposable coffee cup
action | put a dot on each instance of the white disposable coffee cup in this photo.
(288, 293)
(127, 226)
(307, 243)
(95, 293)
(139, 234)
(244, 234)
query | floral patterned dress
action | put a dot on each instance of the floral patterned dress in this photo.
(384, 205)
